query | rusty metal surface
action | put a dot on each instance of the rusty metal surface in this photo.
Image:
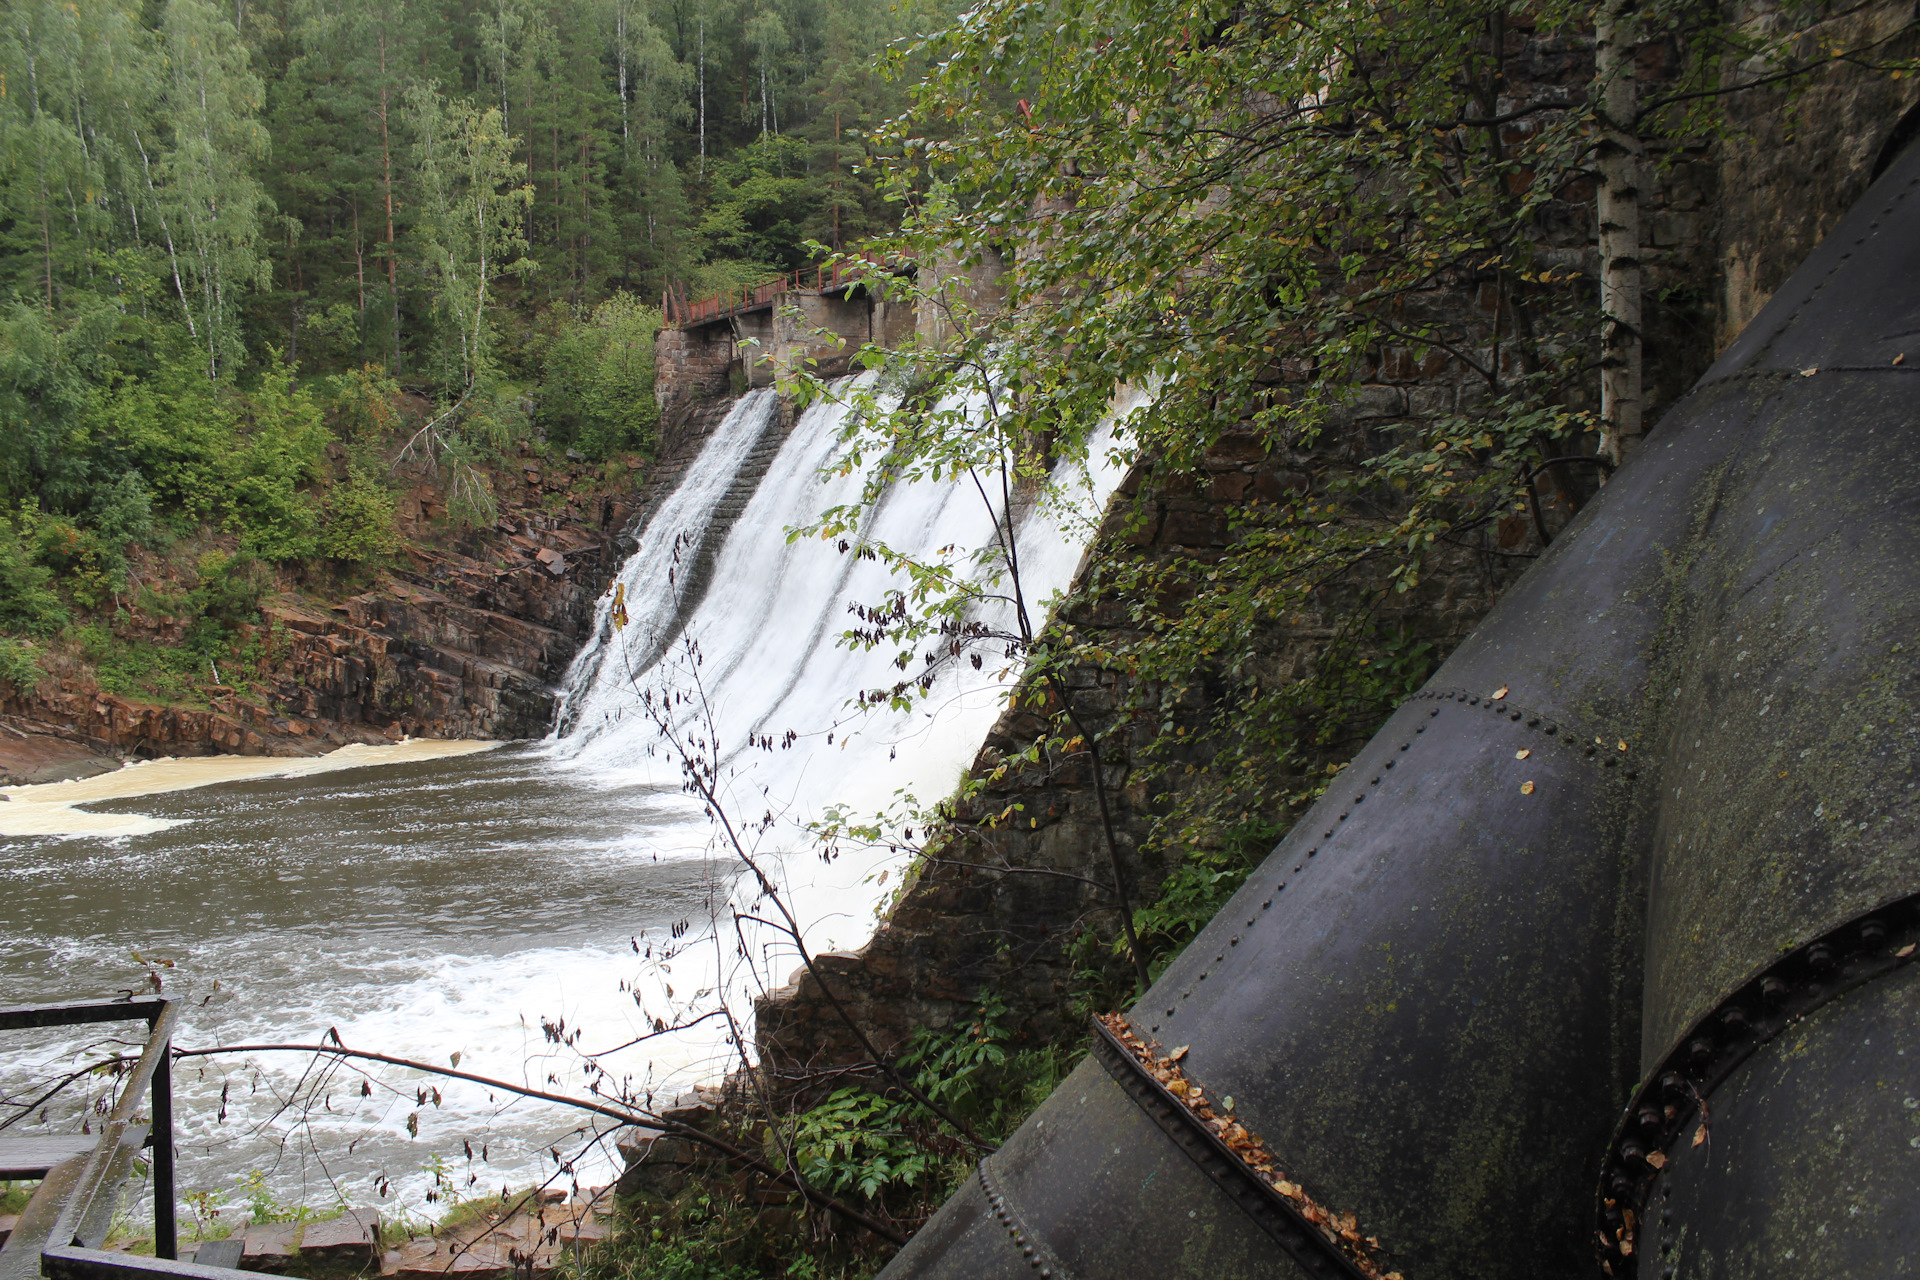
(1682, 746)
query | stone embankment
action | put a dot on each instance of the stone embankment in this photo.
(526, 1237)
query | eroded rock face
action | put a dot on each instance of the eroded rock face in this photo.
(468, 641)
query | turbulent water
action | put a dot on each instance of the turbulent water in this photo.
(451, 906)
(771, 660)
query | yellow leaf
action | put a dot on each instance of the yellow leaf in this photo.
(1658, 1159)
(1522, 753)
(1526, 788)
(1700, 1135)
(1500, 693)
(1623, 744)
(1179, 1053)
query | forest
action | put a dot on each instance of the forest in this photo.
(234, 237)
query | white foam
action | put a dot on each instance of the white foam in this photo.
(48, 808)
(769, 632)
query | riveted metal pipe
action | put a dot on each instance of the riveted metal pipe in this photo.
(1683, 831)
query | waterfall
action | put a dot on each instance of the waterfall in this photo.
(658, 576)
(768, 630)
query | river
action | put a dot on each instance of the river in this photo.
(448, 906)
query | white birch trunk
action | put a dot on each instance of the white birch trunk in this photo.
(1617, 205)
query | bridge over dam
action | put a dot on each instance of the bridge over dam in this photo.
(818, 318)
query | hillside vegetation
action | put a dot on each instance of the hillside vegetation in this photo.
(262, 266)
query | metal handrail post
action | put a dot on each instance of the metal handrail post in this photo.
(166, 1223)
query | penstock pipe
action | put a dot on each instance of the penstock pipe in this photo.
(1646, 840)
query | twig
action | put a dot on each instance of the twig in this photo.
(636, 1117)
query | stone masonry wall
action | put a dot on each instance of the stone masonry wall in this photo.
(977, 915)
(1798, 154)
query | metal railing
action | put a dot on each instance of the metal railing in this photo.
(680, 311)
(60, 1232)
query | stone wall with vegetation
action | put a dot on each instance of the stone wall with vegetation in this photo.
(1012, 896)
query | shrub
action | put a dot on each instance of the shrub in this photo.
(20, 665)
(366, 402)
(27, 604)
(176, 428)
(276, 519)
(359, 524)
(597, 394)
(230, 588)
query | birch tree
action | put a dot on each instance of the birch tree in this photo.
(470, 194)
(208, 193)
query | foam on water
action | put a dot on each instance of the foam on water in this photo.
(441, 906)
(771, 661)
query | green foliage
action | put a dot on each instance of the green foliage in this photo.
(27, 604)
(262, 1207)
(597, 394)
(365, 403)
(407, 202)
(359, 523)
(762, 202)
(276, 517)
(131, 669)
(705, 1234)
(883, 1146)
(857, 1142)
(229, 588)
(20, 665)
(1196, 889)
(175, 427)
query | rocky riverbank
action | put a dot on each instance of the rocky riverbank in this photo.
(462, 634)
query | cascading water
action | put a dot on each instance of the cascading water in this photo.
(655, 579)
(454, 906)
(771, 661)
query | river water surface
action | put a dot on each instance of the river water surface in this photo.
(421, 909)
(452, 906)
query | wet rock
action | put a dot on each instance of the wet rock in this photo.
(352, 1240)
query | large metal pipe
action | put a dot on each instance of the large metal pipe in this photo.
(1633, 844)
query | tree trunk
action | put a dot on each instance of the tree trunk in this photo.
(1618, 208)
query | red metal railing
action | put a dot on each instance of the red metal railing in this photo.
(681, 312)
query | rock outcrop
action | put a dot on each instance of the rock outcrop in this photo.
(460, 638)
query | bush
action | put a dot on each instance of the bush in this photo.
(597, 393)
(176, 429)
(276, 519)
(27, 604)
(366, 403)
(360, 519)
(230, 588)
(133, 669)
(20, 665)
